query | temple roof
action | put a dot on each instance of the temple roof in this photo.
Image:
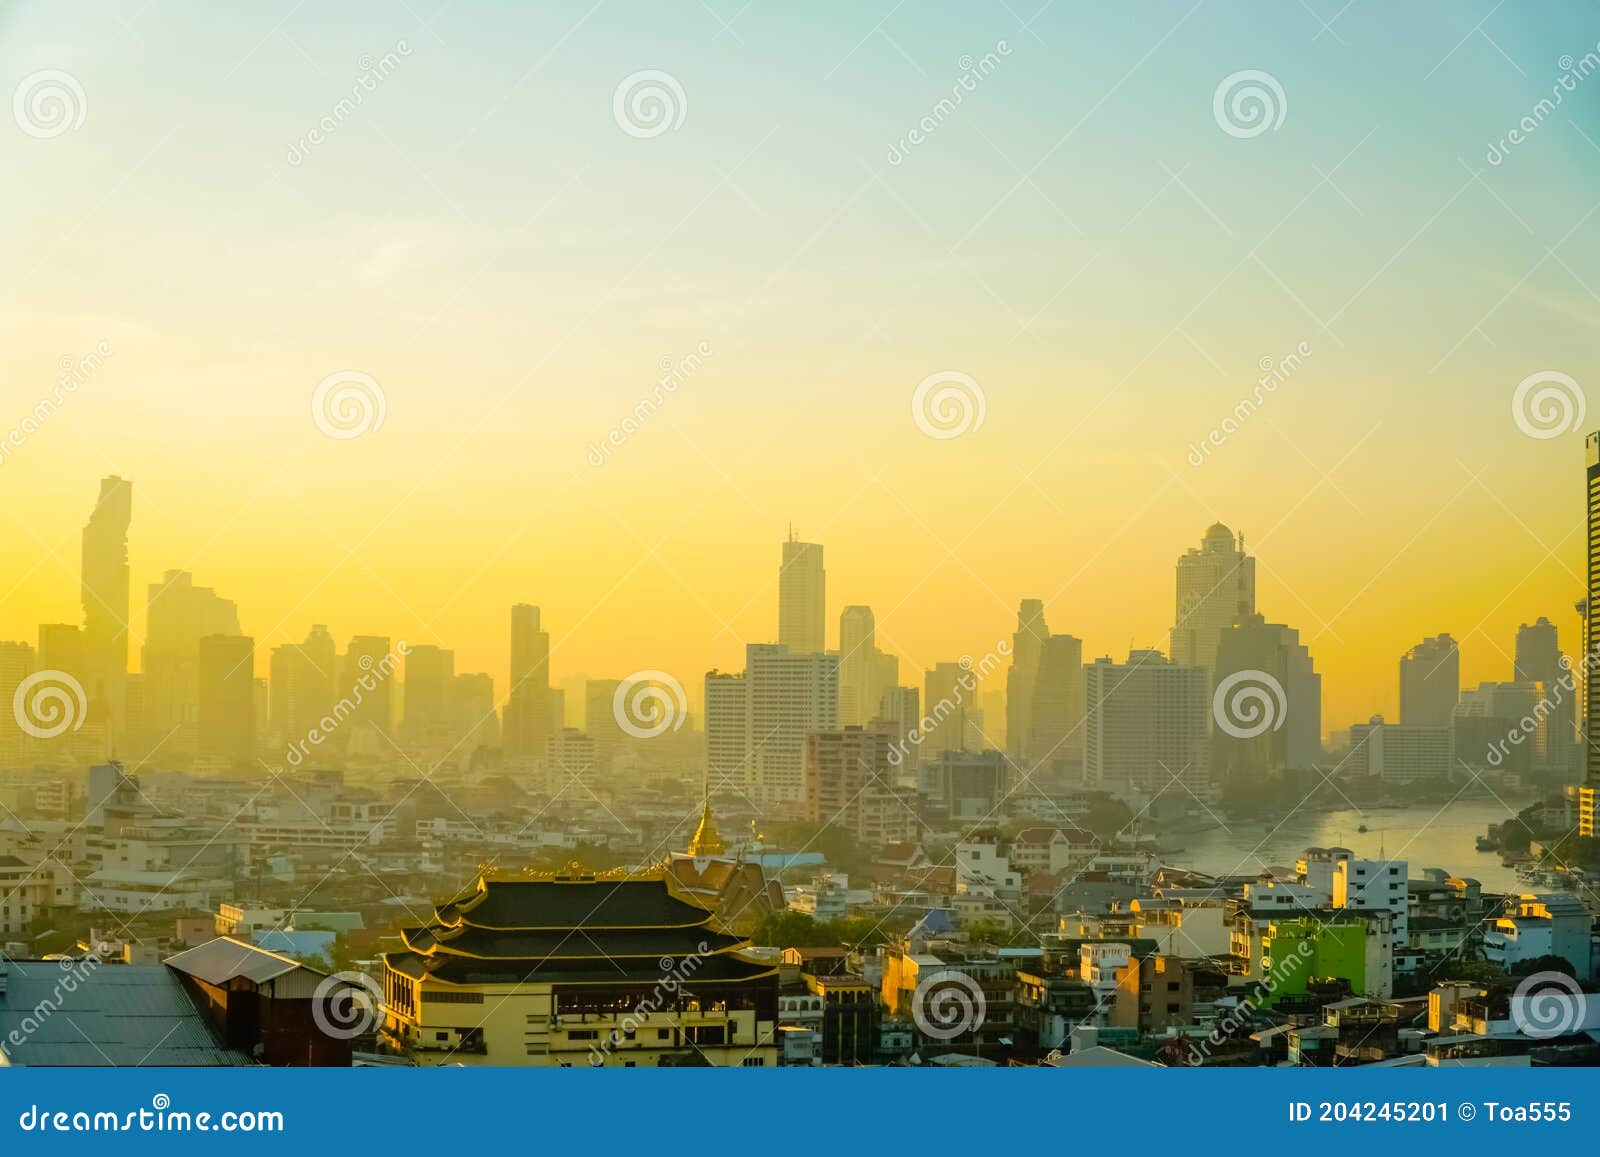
(512, 905)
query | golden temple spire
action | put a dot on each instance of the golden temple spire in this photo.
(706, 841)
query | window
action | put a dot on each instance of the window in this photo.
(629, 1064)
(441, 1036)
(663, 1034)
(583, 1034)
(754, 1062)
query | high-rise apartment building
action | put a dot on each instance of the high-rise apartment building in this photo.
(1145, 726)
(850, 783)
(16, 664)
(802, 597)
(864, 671)
(1430, 683)
(104, 594)
(179, 615)
(1288, 732)
(1539, 660)
(430, 681)
(756, 723)
(366, 678)
(1216, 588)
(477, 721)
(951, 710)
(1055, 743)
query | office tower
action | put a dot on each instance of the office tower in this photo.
(850, 784)
(1430, 683)
(430, 674)
(179, 614)
(61, 649)
(302, 681)
(16, 664)
(366, 679)
(1146, 727)
(1026, 642)
(477, 722)
(1216, 588)
(104, 594)
(1490, 715)
(1056, 715)
(864, 670)
(756, 723)
(950, 708)
(1267, 731)
(226, 698)
(801, 597)
(528, 724)
(1539, 660)
(600, 720)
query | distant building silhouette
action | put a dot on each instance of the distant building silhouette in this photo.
(1145, 727)
(302, 679)
(528, 724)
(226, 698)
(1539, 660)
(179, 615)
(104, 594)
(1216, 588)
(756, 723)
(802, 597)
(1430, 683)
(864, 671)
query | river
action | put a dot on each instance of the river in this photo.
(1425, 835)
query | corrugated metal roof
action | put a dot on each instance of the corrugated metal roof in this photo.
(114, 1014)
(221, 960)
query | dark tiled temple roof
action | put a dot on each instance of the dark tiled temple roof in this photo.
(488, 944)
(688, 972)
(540, 904)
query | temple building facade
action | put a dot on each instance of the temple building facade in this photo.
(577, 971)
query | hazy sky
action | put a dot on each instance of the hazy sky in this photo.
(1080, 235)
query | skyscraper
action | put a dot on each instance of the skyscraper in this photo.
(104, 594)
(477, 722)
(366, 678)
(1539, 660)
(1145, 727)
(950, 705)
(756, 723)
(16, 664)
(302, 679)
(801, 597)
(226, 698)
(1026, 642)
(1430, 682)
(179, 615)
(1288, 733)
(1056, 716)
(865, 672)
(528, 724)
(430, 675)
(1216, 588)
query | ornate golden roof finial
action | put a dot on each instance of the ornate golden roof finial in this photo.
(706, 841)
